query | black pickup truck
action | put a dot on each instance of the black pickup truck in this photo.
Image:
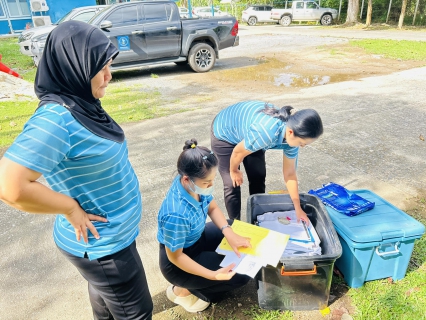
(151, 32)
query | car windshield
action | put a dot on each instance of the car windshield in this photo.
(64, 18)
(97, 15)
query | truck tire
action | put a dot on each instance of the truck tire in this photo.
(202, 57)
(326, 20)
(285, 21)
(252, 21)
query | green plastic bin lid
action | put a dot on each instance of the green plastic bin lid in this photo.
(384, 221)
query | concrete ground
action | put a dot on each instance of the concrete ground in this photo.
(371, 141)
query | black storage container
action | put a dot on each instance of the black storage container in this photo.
(300, 282)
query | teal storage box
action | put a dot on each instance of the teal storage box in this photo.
(298, 282)
(376, 244)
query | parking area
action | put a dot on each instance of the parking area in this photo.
(272, 60)
(373, 112)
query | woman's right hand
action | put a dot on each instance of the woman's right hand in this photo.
(224, 274)
(237, 178)
(81, 221)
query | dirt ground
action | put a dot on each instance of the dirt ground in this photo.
(271, 72)
(13, 88)
(274, 72)
(278, 72)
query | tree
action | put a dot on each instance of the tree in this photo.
(353, 10)
(402, 15)
(369, 12)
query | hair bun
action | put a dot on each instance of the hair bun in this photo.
(190, 144)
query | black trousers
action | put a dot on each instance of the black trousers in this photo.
(117, 285)
(203, 252)
(255, 167)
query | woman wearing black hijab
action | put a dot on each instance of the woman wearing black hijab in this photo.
(82, 153)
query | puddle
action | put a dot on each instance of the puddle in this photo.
(297, 80)
(276, 73)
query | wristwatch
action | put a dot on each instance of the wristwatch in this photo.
(224, 227)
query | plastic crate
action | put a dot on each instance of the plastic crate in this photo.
(376, 244)
(303, 282)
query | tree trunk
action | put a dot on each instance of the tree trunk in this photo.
(402, 15)
(415, 12)
(353, 10)
(369, 12)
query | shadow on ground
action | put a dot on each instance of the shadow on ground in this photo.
(171, 69)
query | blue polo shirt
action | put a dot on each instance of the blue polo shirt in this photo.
(181, 218)
(94, 171)
(244, 121)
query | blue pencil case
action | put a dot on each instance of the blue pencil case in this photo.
(341, 199)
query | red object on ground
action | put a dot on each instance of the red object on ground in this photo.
(4, 68)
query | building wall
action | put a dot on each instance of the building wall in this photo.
(57, 9)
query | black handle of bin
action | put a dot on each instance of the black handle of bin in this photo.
(299, 266)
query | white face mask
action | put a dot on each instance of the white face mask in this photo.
(201, 191)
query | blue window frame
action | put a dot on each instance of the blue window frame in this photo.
(2, 15)
(18, 8)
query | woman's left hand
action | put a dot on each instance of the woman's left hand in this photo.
(236, 241)
(301, 215)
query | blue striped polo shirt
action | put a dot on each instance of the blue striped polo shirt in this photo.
(243, 121)
(94, 171)
(181, 218)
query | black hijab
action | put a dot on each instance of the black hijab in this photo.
(74, 53)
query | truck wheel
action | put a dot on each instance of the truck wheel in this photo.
(252, 21)
(201, 57)
(285, 21)
(326, 20)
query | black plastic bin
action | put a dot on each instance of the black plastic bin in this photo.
(297, 283)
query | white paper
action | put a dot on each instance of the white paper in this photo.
(231, 257)
(296, 231)
(250, 266)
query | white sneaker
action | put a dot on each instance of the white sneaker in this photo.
(190, 303)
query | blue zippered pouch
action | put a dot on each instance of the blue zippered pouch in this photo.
(341, 199)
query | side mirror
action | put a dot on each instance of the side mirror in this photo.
(105, 24)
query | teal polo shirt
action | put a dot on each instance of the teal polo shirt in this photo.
(94, 171)
(245, 121)
(181, 219)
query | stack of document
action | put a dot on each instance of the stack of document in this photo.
(304, 240)
(267, 247)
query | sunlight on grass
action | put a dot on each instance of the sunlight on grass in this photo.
(13, 115)
(404, 50)
(257, 313)
(403, 300)
(134, 103)
(14, 59)
(124, 104)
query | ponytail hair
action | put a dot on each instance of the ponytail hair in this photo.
(305, 123)
(195, 161)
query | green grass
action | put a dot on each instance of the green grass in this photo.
(134, 103)
(14, 59)
(13, 115)
(124, 103)
(257, 313)
(404, 50)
